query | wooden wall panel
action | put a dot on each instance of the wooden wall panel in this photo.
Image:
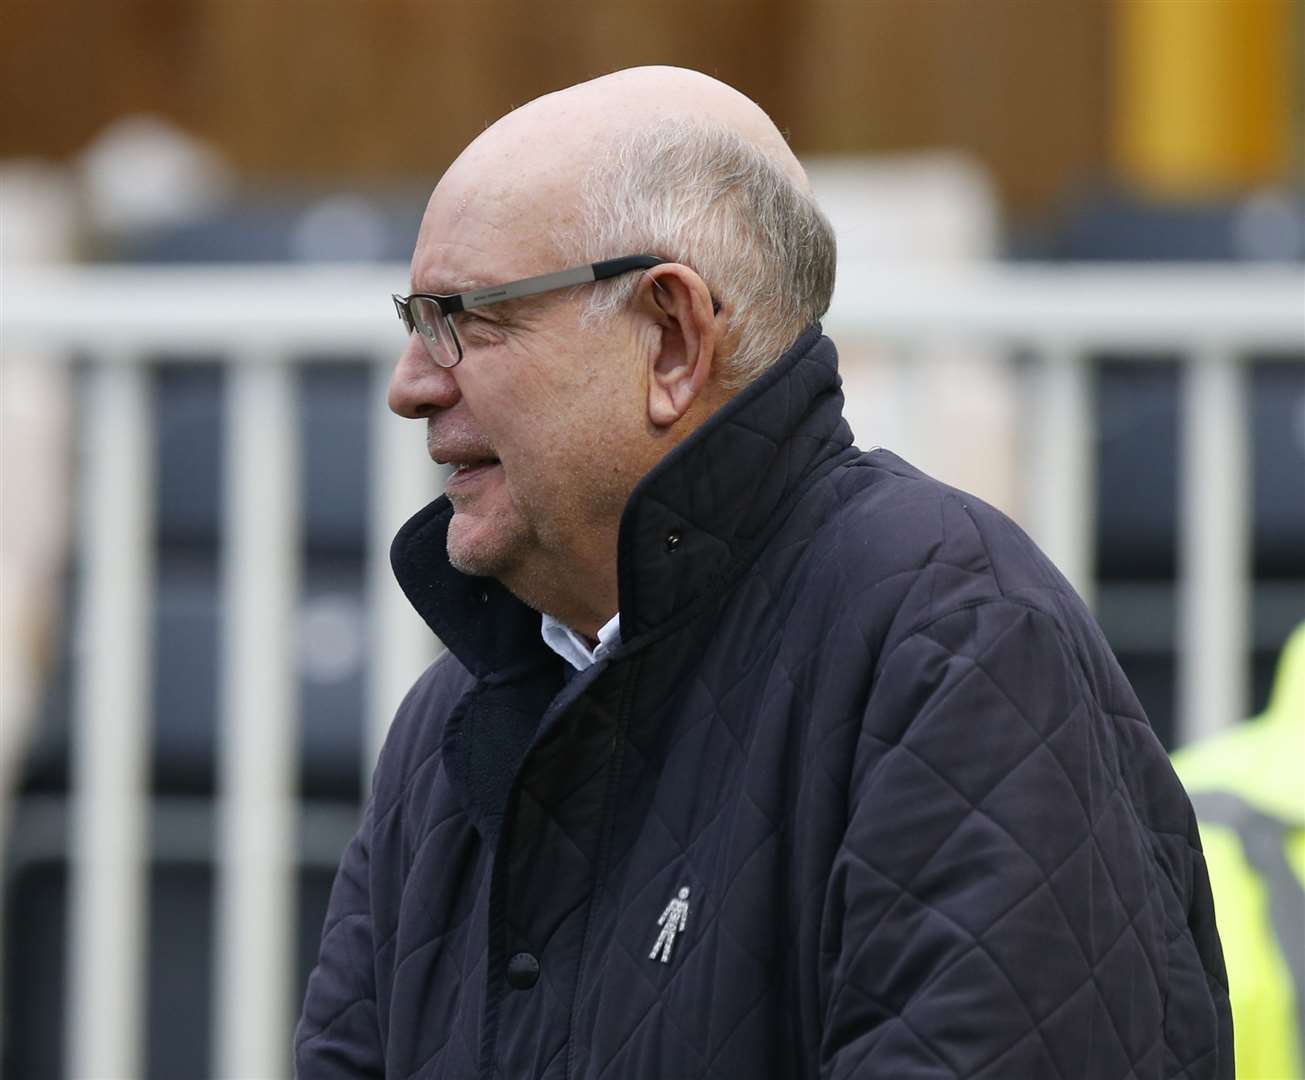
(1020, 85)
(337, 90)
(68, 67)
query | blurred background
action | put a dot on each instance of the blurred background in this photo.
(1072, 237)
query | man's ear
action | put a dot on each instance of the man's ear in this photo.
(681, 362)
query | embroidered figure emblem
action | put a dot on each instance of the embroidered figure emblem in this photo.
(672, 922)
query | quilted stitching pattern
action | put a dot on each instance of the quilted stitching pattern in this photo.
(925, 829)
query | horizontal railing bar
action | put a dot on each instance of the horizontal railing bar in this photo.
(273, 309)
(182, 832)
(1148, 307)
(335, 308)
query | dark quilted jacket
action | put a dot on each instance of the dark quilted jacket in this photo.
(924, 826)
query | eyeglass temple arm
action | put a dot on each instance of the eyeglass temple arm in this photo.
(609, 268)
(612, 267)
(561, 279)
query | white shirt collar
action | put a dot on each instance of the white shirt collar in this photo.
(572, 648)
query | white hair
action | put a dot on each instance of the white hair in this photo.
(699, 194)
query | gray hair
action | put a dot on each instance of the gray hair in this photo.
(699, 194)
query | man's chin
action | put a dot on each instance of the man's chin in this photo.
(470, 559)
(478, 547)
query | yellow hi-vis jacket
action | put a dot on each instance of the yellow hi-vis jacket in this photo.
(1248, 787)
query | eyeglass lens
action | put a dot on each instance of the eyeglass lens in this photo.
(434, 331)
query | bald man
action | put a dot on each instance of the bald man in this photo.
(753, 755)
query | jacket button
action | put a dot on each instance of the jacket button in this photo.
(522, 971)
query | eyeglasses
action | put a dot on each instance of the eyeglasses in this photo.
(430, 314)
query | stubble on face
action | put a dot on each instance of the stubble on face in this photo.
(488, 536)
(549, 514)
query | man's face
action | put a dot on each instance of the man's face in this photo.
(539, 416)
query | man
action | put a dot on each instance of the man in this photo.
(1248, 786)
(815, 767)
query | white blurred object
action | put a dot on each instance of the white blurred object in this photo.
(339, 228)
(935, 207)
(331, 637)
(38, 224)
(141, 172)
(34, 488)
(1269, 226)
(948, 408)
(38, 218)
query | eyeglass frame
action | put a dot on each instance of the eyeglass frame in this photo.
(450, 304)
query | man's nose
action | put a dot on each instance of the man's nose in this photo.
(419, 386)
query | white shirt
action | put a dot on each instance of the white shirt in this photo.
(572, 648)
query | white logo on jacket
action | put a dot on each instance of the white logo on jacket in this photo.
(672, 922)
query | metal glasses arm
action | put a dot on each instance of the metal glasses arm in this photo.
(560, 279)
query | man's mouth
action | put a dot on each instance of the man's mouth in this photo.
(462, 459)
(466, 472)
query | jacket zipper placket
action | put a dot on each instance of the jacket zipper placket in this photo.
(607, 826)
(496, 962)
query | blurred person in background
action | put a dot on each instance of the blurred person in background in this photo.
(1248, 785)
(753, 754)
(37, 207)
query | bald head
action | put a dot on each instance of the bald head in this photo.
(551, 140)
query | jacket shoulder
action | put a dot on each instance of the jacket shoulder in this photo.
(908, 550)
(931, 547)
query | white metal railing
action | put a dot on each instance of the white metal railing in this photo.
(262, 319)
(259, 720)
(111, 751)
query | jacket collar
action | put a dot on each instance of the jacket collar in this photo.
(692, 524)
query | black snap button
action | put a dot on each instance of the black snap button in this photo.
(672, 540)
(522, 971)
(484, 596)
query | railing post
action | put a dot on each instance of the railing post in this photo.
(112, 727)
(1062, 514)
(403, 480)
(1214, 546)
(258, 745)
